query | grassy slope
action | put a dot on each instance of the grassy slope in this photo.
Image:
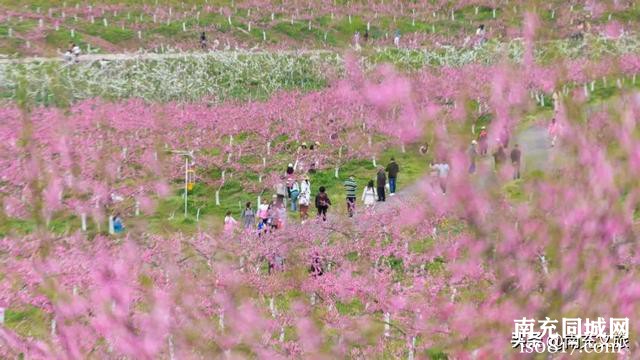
(339, 30)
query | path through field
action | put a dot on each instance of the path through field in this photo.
(154, 56)
(536, 152)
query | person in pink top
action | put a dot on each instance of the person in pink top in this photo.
(229, 223)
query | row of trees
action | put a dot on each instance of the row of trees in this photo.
(409, 278)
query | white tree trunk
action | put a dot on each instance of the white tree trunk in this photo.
(387, 327)
(374, 162)
(404, 150)
(281, 338)
(260, 178)
(223, 175)
(337, 171)
(272, 307)
(53, 327)
(264, 161)
(221, 320)
(83, 220)
(269, 148)
(171, 348)
(544, 263)
(218, 197)
(412, 349)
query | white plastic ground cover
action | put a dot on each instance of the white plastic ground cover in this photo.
(248, 75)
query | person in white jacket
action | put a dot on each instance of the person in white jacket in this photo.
(369, 195)
(304, 199)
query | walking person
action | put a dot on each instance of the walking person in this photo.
(480, 35)
(322, 203)
(553, 131)
(483, 141)
(443, 174)
(263, 213)
(369, 195)
(68, 57)
(304, 199)
(473, 155)
(515, 161)
(203, 41)
(229, 223)
(118, 225)
(293, 194)
(499, 157)
(75, 50)
(392, 170)
(281, 216)
(350, 188)
(281, 190)
(290, 177)
(248, 216)
(381, 182)
(272, 220)
(396, 39)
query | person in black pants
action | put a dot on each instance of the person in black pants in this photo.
(203, 41)
(393, 170)
(381, 182)
(322, 203)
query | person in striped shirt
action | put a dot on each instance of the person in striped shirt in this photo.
(350, 188)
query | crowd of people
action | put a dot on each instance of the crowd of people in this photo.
(72, 55)
(480, 147)
(477, 40)
(296, 190)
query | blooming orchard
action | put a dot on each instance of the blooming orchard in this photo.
(426, 274)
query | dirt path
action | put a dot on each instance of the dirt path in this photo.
(154, 56)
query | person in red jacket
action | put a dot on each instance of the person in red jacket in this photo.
(483, 145)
